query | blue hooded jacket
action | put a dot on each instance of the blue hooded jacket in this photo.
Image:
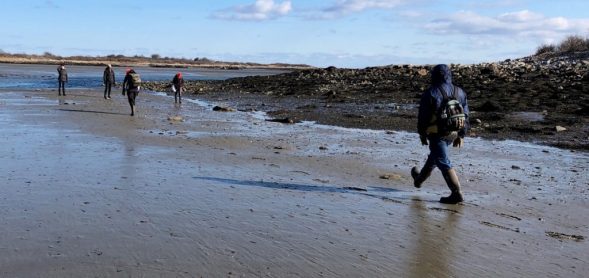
(432, 100)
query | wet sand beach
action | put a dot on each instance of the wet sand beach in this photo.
(182, 191)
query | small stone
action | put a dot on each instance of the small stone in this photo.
(390, 177)
(560, 128)
(175, 118)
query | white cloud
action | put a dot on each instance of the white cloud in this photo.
(411, 14)
(345, 7)
(259, 11)
(524, 24)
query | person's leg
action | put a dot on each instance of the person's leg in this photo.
(453, 183)
(443, 162)
(63, 87)
(105, 89)
(109, 86)
(419, 177)
(176, 96)
(131, 94)
(180, 94)
(59, 86)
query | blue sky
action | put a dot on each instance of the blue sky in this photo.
(343, 33)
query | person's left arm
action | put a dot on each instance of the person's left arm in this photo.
(464, 103)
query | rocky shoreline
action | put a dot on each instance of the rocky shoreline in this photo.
(540, 99)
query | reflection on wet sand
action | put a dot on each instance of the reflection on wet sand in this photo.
(434, 252)
(129, 164)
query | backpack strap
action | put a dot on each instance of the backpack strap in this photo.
(445, 95)
(454, 92)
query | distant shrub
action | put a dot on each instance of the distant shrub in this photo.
(203, 60)
(156, 56)
(546, 48)
(574, 43)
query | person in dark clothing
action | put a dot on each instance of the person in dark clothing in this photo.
(62, 79)
(108, 79)
(178, 83)
(132, 86)
(431, 133)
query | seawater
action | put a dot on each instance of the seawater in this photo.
(17, 76)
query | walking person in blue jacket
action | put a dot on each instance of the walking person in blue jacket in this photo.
(432, 131)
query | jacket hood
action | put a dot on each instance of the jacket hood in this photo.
(441, 74)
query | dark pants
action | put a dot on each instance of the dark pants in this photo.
(107, 89)
(61, 88)
(131, 96)
(178, 94)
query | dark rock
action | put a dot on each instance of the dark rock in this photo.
(223, 109)
(284, 120)
(355, 188)
(490, 106)
(354, 116)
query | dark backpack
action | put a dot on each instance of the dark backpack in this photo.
(135, 80)
(451, 117)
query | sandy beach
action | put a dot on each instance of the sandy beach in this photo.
(182, 191)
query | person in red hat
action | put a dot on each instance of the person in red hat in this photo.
(178, 83)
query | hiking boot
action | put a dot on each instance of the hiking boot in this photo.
(452, 181)
(453, 199)
(419, 176)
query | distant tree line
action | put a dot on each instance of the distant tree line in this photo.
(154, 60)
(573, 43)
(117, 57)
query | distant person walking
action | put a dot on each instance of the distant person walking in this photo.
(178, 87)
(62, 79)
(108, 79)
(132, 86)
(442, 120)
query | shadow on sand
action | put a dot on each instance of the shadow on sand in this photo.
(399, 198)
(300, 187)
